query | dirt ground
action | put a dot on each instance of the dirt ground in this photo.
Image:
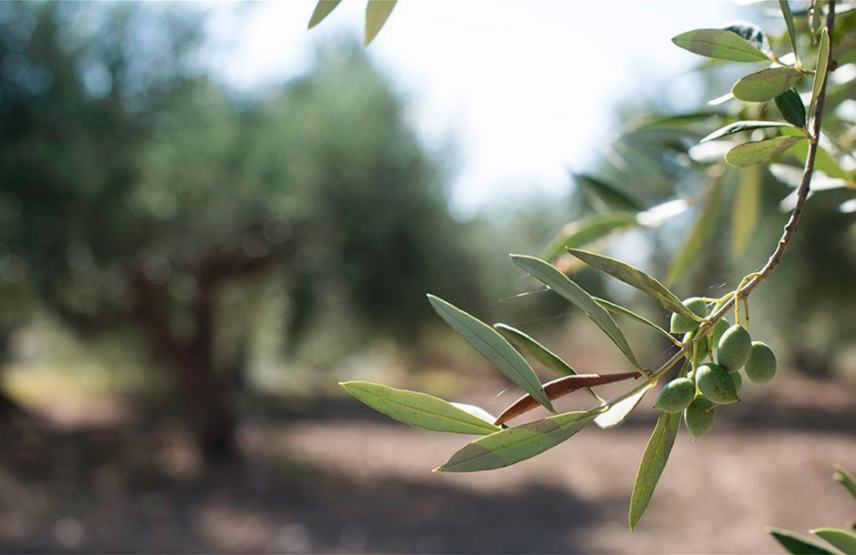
(335, 477)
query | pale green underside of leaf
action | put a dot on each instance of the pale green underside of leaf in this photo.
(377, 12)
(419, 409)
(841, 539)
(618, 309)
(747, 209)
(820, 70)
(766, 84)
(560, 284)
(759, 151)
(322, 10)
(823, 160)
(492, 346)
(653, 462)
(845, 478)
(618, 413)
(796, 544)
(635, 278)
(588, 230)
(720, 44)
(739, 126)
(517, 444)
(699, 234)
(539, 352)
(789, 21)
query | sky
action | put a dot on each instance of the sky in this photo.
(524, 89)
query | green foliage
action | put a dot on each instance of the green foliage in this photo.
(720, 43)
(653, 463)
(798, 545)
(766, 84)
(791, 107)
(756, 152)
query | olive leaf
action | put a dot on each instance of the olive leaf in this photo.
(635, 278)
(653, 462)
(796, 544)
(539, 352)
(493, 347)
(607, 193)
(618, 309)
(747, 209)
(517, 444)
(721, 44)
(759, 151)
(618, 412)
(377, 12)
(841, 539)
(843, 476)
(698, 235)
(823, 161)
(588, 230)
(819, 70)
(322, 10)
(792, 108)
(765, 84)
(789, 21)
(739, 126)
(419, 409)
(559, 283)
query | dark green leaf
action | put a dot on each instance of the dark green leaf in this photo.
(796, 544)
(618, 413)
(377, 12)
(653, 462)
(739, 126)
(609, 194)
(720, 43)
(559, 283)
(747, 209)
(843, 476)
(792, 32)
(791, 106)
(587, 230)
(492, 346)
(517, 444)
(636, 278)
(698, 235)
(819, 70)
(759, 151)
(842, 539)
(765, 84)
(539, 352)
(322, 10)
(419, 409)
(618, 309)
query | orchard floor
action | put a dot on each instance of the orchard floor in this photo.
(334, 477)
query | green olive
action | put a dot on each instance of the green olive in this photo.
(733, 348)
(681, 323)
(699, 416)
(737, 379)
(676, 395)
(716, 384)
(761, 365)
(718, 329)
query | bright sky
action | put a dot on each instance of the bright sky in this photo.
(524, 88)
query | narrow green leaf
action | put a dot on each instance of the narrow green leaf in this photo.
(610, 195)
(517, 444)
(635, 278)
(699, 234)
(843, 476)
(789, 21)
(721, 44)
(539, 352)
(819, 70)
(759, 151)
(796, 544)
(791, 106)
(765, 84)
(823, 161)
(419, 409)
(618, 309)
(559, 283)
(653, 462)
(841, 539)
(747, 209)
(322, 10)
(739, 126)
(587, 230)
(618, 413)
(493, 347)
(377, 12)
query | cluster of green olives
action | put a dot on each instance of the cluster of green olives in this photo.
(709, 383)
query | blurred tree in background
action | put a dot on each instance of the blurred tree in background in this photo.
(137, 192)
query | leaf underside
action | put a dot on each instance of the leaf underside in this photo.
(653, 462)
